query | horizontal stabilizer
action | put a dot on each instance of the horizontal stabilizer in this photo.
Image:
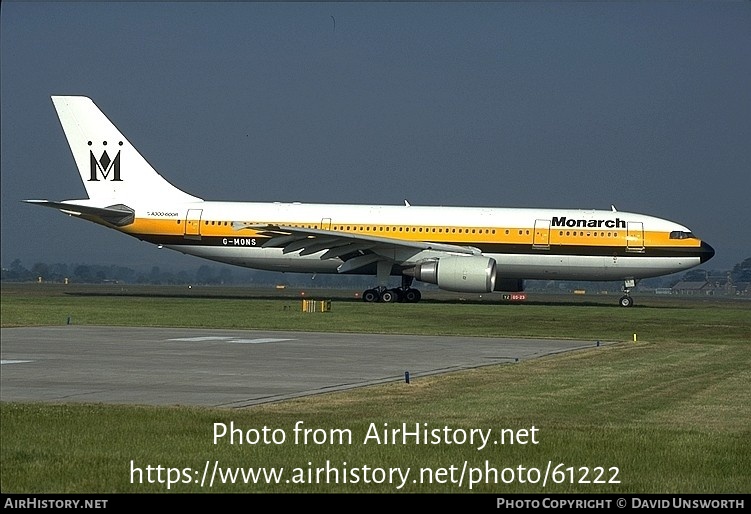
(118, 215)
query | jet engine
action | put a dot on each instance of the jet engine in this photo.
(473, 274)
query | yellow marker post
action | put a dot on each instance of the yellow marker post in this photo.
(634, 337)
(316, 305)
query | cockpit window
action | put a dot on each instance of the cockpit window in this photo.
(679, 234)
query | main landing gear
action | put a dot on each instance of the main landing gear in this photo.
(626, 300)
(405, 293)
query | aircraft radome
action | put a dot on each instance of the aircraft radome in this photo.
(465, 249)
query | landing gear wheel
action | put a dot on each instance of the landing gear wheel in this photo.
(412, 295)
(389, 296)
(626, 301)
(370, 296)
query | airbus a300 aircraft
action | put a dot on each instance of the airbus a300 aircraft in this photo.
(465, 249)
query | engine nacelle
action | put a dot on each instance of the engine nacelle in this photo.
(473, 274)
(509, 285)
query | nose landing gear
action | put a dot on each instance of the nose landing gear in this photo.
(626, 300)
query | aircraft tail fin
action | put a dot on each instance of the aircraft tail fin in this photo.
(111, 169)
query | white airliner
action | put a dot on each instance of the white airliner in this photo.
(465, 249)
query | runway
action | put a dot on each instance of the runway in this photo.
(230, 368)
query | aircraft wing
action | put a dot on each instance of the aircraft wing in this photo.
(357, 250)
(118, 215)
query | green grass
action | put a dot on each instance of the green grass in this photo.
(672, 411)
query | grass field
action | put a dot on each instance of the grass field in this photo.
(670, 413)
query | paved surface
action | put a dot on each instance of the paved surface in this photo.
(229, 368)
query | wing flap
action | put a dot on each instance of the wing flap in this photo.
(358, 262)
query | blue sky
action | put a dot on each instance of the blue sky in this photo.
(577, 105)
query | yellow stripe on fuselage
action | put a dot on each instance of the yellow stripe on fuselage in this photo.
(442, 234)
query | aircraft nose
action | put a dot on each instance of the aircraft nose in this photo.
(706, 252)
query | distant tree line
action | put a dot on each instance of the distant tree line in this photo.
(206, 274)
